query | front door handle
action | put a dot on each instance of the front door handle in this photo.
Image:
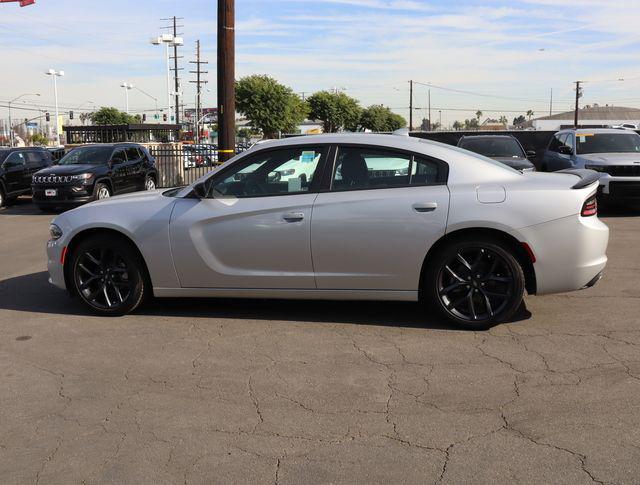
(293, 216)
(425, 206)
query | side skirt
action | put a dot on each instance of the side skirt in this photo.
(384, 295)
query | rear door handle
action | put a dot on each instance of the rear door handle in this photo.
(293, 216)
(425, 206)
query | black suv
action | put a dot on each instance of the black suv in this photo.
(94, 172)
(17, 166)
(502, 148)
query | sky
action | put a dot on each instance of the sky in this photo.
(500, 57)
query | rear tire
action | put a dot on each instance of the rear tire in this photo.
(474, 284)
(108, 275)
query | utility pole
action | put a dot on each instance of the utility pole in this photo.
(226, 80)
(198, 82)
(578, 96)
(429, 115)
(174, 40)
(411, 105)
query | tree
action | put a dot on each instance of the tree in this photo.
(84, 117)
(457, 125)
(38, 139)
(503, 120)
(337, 111)
(478, 115)
(530, 114)
(380, 118)
(113, 116)
(520, 120)
(270, 106)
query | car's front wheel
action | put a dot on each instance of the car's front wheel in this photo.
(149, 183)
(108, 275)
(102, 191)
(474, 284)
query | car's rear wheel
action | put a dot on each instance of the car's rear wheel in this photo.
(150, 183)
(475, 284)
(108, 275)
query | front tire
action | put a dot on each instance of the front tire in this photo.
(149, 183)
(108, 275)
(3, 198)
(474, 284)
(102, 191)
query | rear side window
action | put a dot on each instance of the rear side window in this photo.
(132, 153)
(371, 168)
(35, 158)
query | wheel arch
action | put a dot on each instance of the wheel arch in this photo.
(107, 182)
(516, 247)
(84, 234)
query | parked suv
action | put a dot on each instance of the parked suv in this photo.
(17, 166)
(502, 148)
(615, 153)
(94, 172)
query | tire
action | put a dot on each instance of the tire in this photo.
(3, 198)
(108, 275)
(474, 284)
(101, 191)
(149, 183)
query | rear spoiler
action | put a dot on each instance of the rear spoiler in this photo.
(587, 177)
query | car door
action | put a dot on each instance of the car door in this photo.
(15, 166)
(119, 171)
(373, 228)
(135, 169)
(253, 229)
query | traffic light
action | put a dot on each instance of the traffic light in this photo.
(70, 115)
(164, 117)
(47, 117)
(144, 117)
(26, 121)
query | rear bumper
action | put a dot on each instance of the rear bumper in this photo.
(570, 253)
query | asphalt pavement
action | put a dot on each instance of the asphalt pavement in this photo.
(232, 391)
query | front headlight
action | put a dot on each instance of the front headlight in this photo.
(55, 232)
(83, 177)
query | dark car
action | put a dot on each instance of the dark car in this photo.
(502, 148)
(17, 166)
(614, 153)
(94, 172)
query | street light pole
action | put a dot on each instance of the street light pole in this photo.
(127, 87)
(11, 134)
(55, 74)
(148, 95)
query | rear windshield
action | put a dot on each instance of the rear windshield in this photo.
(493, 147)
(607, 143)
(87, 156)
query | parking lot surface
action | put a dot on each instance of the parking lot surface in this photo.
(230, 391)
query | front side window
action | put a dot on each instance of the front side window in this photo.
(132, 153)
(272, 172)
(87, 156)
(372, 168)
(556, 142)
(608, 143)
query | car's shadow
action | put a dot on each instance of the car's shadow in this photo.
(23, 206)
(32, 293)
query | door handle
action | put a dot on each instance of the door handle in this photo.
(425, 206)
(293, 216)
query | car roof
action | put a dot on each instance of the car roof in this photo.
(488, 136)
(602, 131)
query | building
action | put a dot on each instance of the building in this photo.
(593, 116)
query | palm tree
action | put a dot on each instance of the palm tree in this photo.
(478, 115)
(503, 120)
(530, 114)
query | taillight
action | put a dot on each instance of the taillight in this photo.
(590, 207)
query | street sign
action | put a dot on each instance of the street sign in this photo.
(32, 124)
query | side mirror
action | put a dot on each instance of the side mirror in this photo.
(531, 154)
(565, 150)
(200, 190)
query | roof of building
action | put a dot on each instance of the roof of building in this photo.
(596, 112)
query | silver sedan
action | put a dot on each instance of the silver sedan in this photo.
(350, 217)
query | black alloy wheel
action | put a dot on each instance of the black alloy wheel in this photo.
(108, 275)
(476, 284)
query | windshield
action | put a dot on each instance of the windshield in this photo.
(493, 147)
(607, 143)
(87, 156)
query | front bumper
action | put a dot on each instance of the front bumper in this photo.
(54, 263)
(66, 194)
(570, 252)
(619, 187)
